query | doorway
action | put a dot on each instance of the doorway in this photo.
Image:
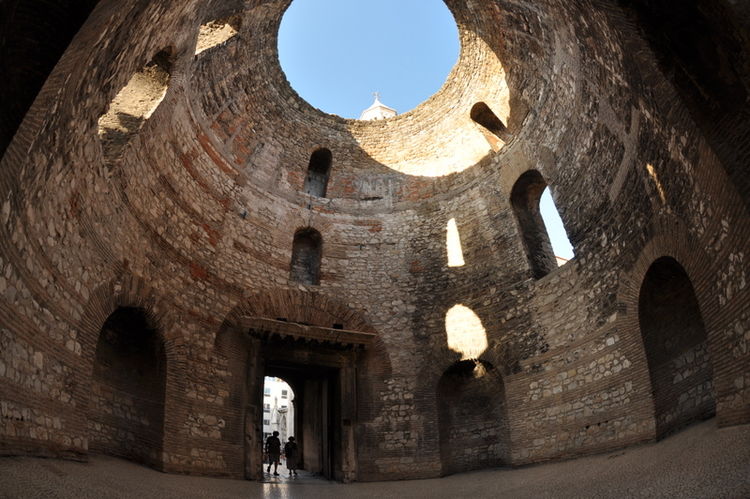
(319, 366)
(315, 412)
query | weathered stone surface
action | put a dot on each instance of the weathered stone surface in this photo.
(193, 222)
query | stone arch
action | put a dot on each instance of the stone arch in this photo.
(217, 31)
(676, 346)
(472, 417)
(524, 197)
(127, 291)
(318, 172)
(307, 253)
(673, 241)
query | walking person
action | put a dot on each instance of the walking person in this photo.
(292, 455)
(273, 449)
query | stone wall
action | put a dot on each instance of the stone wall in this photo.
(194, 222)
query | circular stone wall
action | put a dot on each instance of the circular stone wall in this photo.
(194, 221)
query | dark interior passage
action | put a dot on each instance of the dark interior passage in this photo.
(674, 338)
(126, 409)
(472, 418)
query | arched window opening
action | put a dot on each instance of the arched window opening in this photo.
(676, 346)
(492, 127)
(472, 420)
(34, 38)
(525, 198)
(126, 413)
(558, 237)
(307, 251)
(134, 104)
(318, 171)
(216, 32)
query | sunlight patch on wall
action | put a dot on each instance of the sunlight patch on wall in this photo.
(134, 104)
(655, 178)
(453, 244)
(216, 32)
(466, 334)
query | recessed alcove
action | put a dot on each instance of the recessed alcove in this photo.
(126, 407)
(674, 337)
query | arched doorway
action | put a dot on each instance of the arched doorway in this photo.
(674, 338)
(126, 408)
(472, 421)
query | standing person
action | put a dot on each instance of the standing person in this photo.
(273, 449)
(292, 454)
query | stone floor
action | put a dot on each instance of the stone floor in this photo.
(701, 461)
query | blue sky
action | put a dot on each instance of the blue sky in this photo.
(336, 53)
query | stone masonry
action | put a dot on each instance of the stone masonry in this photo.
(126, 274)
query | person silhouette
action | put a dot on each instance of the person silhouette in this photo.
(292, 455)
(273, 449)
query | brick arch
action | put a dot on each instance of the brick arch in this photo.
(672, 242)
(299, 306)
(127, 290)
(233, 350)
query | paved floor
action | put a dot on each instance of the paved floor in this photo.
(701, 461)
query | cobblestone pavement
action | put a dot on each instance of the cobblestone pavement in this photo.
(701, 461)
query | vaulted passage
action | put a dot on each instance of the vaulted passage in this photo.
(491, 126)
(126, 408)
(472, 418)
(676, 347)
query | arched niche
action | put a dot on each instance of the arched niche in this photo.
(126, 408)
(318, 173)
(472, 417)
(674, 339)
(307, 252)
